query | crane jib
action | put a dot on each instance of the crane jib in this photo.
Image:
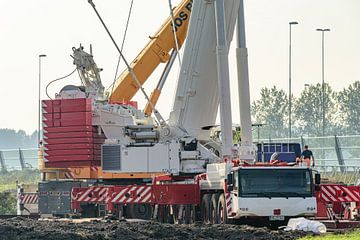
(183, 16)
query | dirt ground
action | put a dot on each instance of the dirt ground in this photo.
(19, 228)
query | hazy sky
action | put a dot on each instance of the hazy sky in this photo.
(29, 28)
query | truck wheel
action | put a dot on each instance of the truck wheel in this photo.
(89, 211)
(221, 210)
(173, 214)
(140, 211)
(205, 209)
(190, 214)
(213, 208)
(187, 214)
(162, 215)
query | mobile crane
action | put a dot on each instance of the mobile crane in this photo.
(183, 179)
(162, 48)
(223, 192)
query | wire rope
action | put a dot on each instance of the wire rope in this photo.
(131, 71)
(174, 31)
(68, 75)
(122, 45)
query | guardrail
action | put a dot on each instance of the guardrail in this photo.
(18, 159)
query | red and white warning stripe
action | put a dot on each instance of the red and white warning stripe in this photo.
(94, 169)
(92, 194)
(338, 193)
(69, 175)
(29, 198)
(228, 204)
(132, 194)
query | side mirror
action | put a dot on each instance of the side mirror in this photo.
(229, 182)
(229, 179)
(317, 178)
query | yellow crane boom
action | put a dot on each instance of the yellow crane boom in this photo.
(155, 52)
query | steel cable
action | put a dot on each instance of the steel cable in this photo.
(46, 89)
(122, 46)
(174, 31)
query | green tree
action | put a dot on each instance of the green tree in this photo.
(349, 107)
(271, 109)
(7, 203)
(10, 138)
(309, 112)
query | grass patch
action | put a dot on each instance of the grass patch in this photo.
(354, 235)
(8, 187)
(8, 179)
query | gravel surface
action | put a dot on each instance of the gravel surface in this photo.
(19, 228)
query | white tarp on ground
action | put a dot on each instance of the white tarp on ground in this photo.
(306, 225)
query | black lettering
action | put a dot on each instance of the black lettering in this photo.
(189, 6)
(172, 28)
(178, 22)
(183, 16)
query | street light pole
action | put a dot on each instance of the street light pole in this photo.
(323, 76)
(39, 98)
(290, 25)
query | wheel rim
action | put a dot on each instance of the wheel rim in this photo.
(221, 210)
(140, 211)
(213, 216)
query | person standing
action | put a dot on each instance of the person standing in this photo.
(308, 156)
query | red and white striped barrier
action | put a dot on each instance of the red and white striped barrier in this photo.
(338, 193)
(29, 198)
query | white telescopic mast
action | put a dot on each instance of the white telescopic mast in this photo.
(222, 50)
(247, 149)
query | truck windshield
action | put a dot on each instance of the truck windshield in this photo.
(275, 183)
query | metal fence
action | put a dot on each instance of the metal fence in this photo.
(336, 157)
(340, 151)
(18, 159)
(333, 155)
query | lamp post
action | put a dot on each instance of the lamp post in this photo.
(39, 97)
(323, 78)
(290, 25)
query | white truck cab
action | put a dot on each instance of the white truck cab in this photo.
(273, 192)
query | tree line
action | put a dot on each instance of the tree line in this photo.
(12, 139)
(342, 112)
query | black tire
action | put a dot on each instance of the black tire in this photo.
(160, 214)
(221, 212)
(190, 214)
(167, 216)
(187, 214)
(206, 214)
(175, 215)
(139, 211)
(213, 208)
(89, 211)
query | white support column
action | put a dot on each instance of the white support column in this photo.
(223, 80)
(247, 149)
